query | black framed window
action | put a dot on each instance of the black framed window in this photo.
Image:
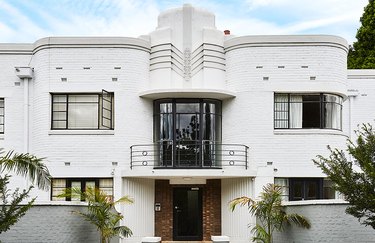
(2, 111)
(187, 131)
(293, 111)
(83, 111)
(305, 189)
(59, 185)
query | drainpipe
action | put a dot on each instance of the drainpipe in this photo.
(352, 93)
(25, 74)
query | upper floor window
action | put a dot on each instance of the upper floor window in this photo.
(307, 111)
(59, 185)
(187, 131)
(82, 111)
(1, 115)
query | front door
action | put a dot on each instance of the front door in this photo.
(187, 213)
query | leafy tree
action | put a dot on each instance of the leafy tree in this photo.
(355, 178)
(25, 165)
(270, 213)
(101, 212)
(362, 53)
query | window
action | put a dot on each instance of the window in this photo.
(307, 111)
(187, 131)
(295, 189)
(305, 189)
(1, 115)
(60, 185)
(82, 111)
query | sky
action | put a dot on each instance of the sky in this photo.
(25, 21)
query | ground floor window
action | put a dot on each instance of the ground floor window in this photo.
(59, 185)
(295, 189)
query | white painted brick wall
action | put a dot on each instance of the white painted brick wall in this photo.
(248, 118)
(90, 155)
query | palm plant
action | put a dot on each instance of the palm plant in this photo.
(101, 212)
(25, 165)
(269, 213)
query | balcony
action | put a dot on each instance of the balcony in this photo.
(189, 154)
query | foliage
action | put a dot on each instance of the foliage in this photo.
(101, 212)
(25, 165)
(355, 178)
(11, 210)
(362, 54)
(270, 213)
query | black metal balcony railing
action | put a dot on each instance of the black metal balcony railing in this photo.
(189, 154)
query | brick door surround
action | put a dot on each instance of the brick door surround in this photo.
(211, 203)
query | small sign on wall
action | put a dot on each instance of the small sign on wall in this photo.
(157, 207)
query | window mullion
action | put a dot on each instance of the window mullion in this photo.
(288, 111)
(98, 103)
(321, 111)
(67, 112)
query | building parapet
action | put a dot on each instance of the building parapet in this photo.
(285, 40)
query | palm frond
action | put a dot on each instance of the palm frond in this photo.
(297, 220)
(242, 201)
(123, 231)
(260, 234)
(27, 165)
(124, 199)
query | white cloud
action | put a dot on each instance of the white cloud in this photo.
(253, 4)
(134, 18)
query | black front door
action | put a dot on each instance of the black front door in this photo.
(187, 213)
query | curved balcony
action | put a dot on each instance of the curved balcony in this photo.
(190, 154)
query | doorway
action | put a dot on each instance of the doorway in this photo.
(187, 213)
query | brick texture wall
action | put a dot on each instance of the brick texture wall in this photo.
(329, 223)
(51, 223)
(211, 201)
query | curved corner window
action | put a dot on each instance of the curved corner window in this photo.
(293, 111)
(187, 131)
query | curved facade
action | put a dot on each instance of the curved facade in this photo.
(183, 119)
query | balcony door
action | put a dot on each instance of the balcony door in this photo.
(187, 132)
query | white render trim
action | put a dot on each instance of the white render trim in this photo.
(309, 131)
(361, 73)
(315, 202)
(16, 49)
(58, 203)
(187, 93)
(285, 40)
(81, 132)
(227, 172)
(91, 42)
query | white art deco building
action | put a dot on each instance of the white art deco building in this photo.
(183, 120)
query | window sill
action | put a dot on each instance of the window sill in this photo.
(81, 132)
(315, 202)
(308, 131)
